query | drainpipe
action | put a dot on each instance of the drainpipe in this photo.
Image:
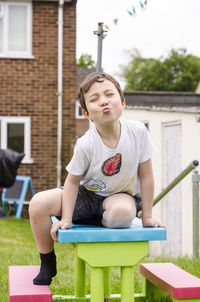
(59, 93)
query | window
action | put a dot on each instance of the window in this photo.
(15, 134)
(79, 114)
(1, 28)
(16, 29)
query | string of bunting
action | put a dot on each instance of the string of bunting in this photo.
(131, 12)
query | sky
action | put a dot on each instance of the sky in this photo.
(154, 31)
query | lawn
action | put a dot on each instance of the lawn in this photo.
(17, 247)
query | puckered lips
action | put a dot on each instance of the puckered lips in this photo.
(106, 110)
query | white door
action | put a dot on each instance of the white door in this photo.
(171, 203)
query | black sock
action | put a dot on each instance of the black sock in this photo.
(47, 269)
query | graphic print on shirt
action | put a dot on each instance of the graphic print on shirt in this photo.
(124, 186)
(112, 165)
(95, 185)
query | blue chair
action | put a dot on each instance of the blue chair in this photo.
(16, 194)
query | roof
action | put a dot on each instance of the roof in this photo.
(175, 101)
(82, 72)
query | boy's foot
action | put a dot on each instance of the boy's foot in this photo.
(47, 269)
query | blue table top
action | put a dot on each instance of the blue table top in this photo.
(84, 233)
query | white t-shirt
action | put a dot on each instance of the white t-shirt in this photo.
(108, 171)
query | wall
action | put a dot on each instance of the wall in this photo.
(190, 150)
(82, 125)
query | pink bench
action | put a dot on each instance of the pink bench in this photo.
(21, 287)
(170, 279)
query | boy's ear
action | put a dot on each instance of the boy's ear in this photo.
(86, 114)
(124, 102)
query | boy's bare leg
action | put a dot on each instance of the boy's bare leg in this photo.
(120, 210)
(42, 206)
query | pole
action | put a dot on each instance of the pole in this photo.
(100, 33)
(59, 93)
(195, 192)
(184, 173)
(99, 47)
(193, 165)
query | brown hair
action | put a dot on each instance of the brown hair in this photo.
(93, 78)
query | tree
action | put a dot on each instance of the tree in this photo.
(86, 60)
(179, 71)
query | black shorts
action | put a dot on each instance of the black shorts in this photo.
(89, 207)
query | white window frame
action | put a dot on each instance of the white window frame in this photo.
(5, 120)
(77, 114)
(17, 54)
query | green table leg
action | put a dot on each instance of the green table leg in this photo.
(107, 282)
(100, 255)
(97, 284)
(80, 277)
(127, 284)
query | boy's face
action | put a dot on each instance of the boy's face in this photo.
(103, 102)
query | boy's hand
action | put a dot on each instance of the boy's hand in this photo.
(150, 222)
(62, 224)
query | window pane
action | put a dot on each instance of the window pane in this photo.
(15, 139)
(1, 34)
(80, 111)
(17, 27)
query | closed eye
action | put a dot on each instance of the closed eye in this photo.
(93, 100)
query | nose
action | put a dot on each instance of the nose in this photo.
(103, 101)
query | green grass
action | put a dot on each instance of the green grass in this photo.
(17, 247)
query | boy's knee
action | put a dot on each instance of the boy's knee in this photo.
(122, 211)
(35, 204)
(119, 216)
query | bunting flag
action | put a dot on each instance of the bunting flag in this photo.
(139, 6)
(115, 20)
(106, 26)
(132, 12)
(142, 4)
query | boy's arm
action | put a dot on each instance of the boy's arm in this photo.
(69, 196)
(147, 193)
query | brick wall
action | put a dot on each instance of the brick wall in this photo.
(82, 126)
(29, 87)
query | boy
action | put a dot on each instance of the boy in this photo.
(110, 166)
